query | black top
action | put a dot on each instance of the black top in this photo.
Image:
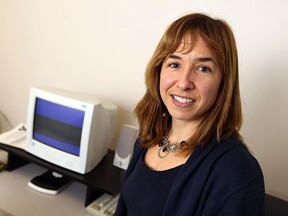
(220, 179)
(154, 187)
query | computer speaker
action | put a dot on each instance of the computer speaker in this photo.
(125, 144)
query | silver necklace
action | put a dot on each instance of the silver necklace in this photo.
(165, 147)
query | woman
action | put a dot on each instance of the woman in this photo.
(190, 158)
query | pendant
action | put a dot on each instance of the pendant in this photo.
(163, 151)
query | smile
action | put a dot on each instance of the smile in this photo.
(183, 100)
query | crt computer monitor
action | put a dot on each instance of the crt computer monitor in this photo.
(67, 129)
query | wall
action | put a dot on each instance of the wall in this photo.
(101, 48)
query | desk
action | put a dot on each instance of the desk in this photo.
(17, 198)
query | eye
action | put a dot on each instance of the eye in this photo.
(174, 65)
(204, 69)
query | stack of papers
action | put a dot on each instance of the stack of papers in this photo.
(15, 137)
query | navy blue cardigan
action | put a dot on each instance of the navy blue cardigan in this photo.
(221, 179)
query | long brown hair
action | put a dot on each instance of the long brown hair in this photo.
(225, 116)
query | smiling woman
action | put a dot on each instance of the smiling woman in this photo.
(190, 158)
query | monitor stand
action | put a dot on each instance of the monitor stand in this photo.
(49, 182)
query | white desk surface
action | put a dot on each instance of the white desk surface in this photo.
(18, 199)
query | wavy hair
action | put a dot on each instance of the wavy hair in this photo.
(225, 116)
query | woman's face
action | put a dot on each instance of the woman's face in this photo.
(189, 82)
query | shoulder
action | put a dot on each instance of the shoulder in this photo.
(235, 167)
(237, 158)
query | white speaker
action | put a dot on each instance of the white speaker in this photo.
(125, 144)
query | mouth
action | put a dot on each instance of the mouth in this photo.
(183, 100)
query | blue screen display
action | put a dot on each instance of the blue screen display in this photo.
(58, 126)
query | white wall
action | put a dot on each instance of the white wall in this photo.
(101, 48)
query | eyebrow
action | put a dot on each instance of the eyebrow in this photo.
(173, 57)
(201, 59)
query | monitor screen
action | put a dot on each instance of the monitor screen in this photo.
(58, 126)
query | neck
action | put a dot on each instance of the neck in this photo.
(181, 130)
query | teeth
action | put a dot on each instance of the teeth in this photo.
(183, 100)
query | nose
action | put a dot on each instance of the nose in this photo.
(186, 81)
